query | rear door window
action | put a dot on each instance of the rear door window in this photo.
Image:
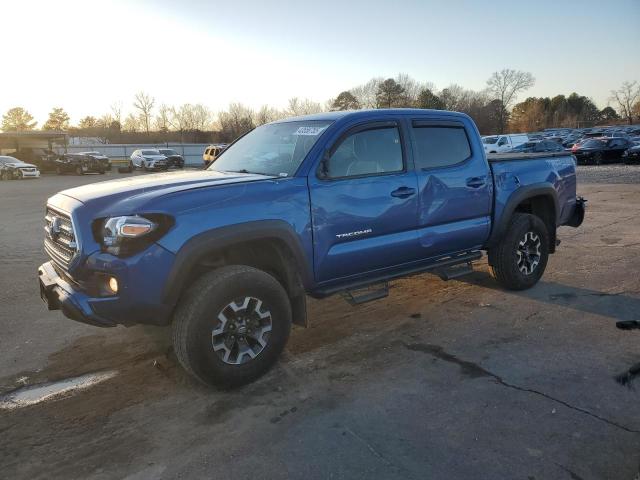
(439, 146)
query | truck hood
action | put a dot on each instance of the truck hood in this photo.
(157, 184)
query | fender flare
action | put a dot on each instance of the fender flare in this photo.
(198, 247)
(523, 193)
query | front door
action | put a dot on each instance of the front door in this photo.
(364, 203)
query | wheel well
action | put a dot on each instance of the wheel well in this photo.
(543, 207)
(271, 255)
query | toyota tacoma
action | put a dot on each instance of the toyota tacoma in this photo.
(340, 202)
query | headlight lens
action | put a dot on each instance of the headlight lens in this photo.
(127, 235)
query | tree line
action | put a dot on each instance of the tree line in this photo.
(494, 109)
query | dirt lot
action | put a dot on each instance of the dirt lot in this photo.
(457, 380)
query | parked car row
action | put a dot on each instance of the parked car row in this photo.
(155, 159)
(591, 146)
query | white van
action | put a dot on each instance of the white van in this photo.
(503, 143)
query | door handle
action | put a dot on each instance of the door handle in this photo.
(403, 192)
(476, 182)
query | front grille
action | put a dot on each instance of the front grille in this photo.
(59, 237)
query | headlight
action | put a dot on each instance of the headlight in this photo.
(128, 235)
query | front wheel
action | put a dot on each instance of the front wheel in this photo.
(519, 260)
(231, 325)
(78, 170)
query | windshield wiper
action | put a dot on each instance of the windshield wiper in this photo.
(244, 170)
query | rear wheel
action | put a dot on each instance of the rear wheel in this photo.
(519, 260)
(597, 159)
(231, 325)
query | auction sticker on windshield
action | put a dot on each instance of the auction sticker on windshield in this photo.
(313, 131)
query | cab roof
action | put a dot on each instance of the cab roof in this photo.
(363, 114)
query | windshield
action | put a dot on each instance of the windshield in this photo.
(167, 152)
(592, 144)
(276, 149)
(490, 140)
(150, 152)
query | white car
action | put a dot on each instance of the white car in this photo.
(148, 159)
(12, 168)
(503, 143)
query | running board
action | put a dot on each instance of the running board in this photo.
(456, 271)
(385, 277)
(364, 295)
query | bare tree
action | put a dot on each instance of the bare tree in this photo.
(627, 96)
(163, 118)
(411, 88)
(116, 112)
(505, 86)
(131, 123)
(144, 104)
(201, 117)
(236, 121)
(303, 106)
(366, 94)
(267, 114)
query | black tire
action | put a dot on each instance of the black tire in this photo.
(507, 259)
(197, 319)
(597, 158)
(78, 170)
(58, 171)
(3, 176)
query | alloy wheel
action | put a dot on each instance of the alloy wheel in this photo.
(528, 253)
(242, 331)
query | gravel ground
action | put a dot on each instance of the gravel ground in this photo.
(613, 174)
(441, 380)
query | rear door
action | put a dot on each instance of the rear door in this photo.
(364, 202)
(455, 186)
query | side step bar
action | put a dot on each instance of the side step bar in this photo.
(364, 290)
(364, 295)
(455, 271)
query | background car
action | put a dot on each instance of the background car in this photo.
(11, 169)
(600, 150)
(503, 143)
(148, 159)
(212, 152)
(79, 164)
(42, 158)
(632, 154)
(174, 159)
(538, 147)
(106, 162)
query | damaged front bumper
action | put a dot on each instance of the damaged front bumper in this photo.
(59, 294)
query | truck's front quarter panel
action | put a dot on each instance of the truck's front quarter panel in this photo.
(143, 277)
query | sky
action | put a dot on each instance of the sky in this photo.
(84, 55)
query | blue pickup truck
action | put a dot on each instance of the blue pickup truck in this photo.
(339, 202)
